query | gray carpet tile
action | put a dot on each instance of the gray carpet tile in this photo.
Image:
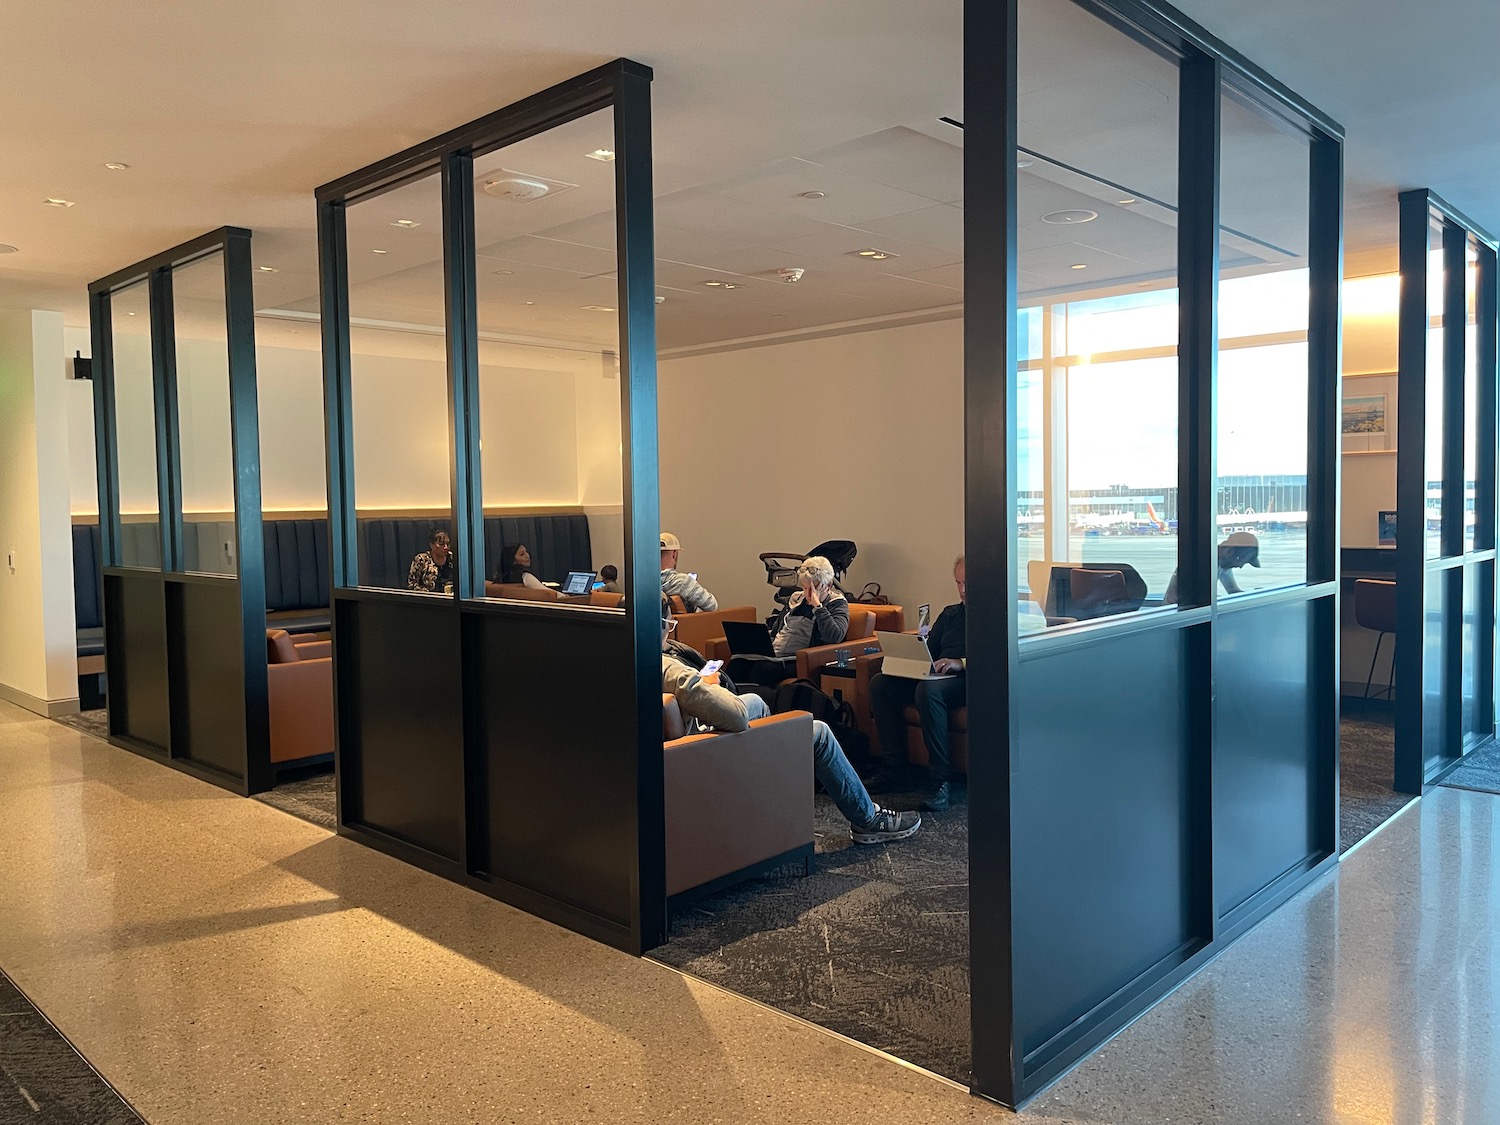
(1367, 764)
(43, 1080)
(309, 797)
(1480, 771)
(873, 944)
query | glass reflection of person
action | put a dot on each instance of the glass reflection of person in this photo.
(1240, 549)
(431, 571)
(515, 568)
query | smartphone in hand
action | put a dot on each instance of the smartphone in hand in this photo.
(710, 668)
(924, 620)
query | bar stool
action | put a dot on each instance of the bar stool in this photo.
(1375, 608)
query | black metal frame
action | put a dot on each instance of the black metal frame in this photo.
(1430, 735)
(622, 647)
(1010, 746)
(234, 754)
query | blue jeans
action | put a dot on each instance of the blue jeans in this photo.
(830, 767)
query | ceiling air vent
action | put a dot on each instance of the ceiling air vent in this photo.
(521, 187)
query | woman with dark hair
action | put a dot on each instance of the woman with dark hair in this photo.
(515, 568)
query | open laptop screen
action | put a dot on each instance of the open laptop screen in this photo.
(578, 581)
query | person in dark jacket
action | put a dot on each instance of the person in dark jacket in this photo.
(890, 696)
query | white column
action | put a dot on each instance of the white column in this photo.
(38, 637)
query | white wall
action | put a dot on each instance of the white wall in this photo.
(38, 653)
(549, 418)
(777, 448)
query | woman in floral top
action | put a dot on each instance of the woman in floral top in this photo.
(432, 571)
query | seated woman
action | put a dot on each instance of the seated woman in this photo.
(515, 568)
(431, 572)
(817, 614)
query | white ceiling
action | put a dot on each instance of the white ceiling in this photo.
(237, 121)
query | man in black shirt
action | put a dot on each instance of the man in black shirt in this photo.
(890, 696)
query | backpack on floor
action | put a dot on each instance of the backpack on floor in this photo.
(804, 695)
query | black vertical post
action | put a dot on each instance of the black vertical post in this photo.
(1411, 489)
(333, 287)
(250, 566)
(636, 269)
(168, 440)
(1325, 390)
(106, 447)
(1198, 149)
(460, 291)
(991, 33)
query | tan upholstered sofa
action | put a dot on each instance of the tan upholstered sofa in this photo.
(300, 689)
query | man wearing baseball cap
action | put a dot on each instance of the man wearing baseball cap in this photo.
(685, 586)
(1241, 548)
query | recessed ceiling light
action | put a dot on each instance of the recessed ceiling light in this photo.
(379, 251)
(59, 202)
(130, 314)
(407, 223)
(5, 248)
(1127, 201)
(603, 154)
(659, 298)
(814, 195)
(267, 269)
(1024, 163)
(1070, 217)
(597, 308)
(715, 283)
(504, 273)
(531, 302)
(1079, 266)
(875, 255)
(115, 166)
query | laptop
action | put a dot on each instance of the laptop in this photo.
(906, 656)
(579, 581)
(748, 638)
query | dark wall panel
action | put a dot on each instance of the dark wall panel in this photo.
(208, 673)
(558, 752)
(401, 720)
(1266, 770)
(136, 657)
(1103, 861)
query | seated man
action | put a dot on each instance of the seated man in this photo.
(431, 571)
(710, 707)
(890, 696)
(685, 586)
(1241, 548)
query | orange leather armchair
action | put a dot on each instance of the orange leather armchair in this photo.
(300, 690)
(699, 630)
(761, 777)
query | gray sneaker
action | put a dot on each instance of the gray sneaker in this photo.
(888, 825)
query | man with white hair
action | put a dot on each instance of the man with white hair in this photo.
(684, 586)
(712, 707)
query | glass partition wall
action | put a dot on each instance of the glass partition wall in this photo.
(497, 282)
(1153, 252)
(1445, 471)
(179, 487)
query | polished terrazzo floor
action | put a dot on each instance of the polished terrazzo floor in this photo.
(219, 961)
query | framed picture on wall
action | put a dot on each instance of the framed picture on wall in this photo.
(1368, 418)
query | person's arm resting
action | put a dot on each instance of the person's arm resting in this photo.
(712, 706)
